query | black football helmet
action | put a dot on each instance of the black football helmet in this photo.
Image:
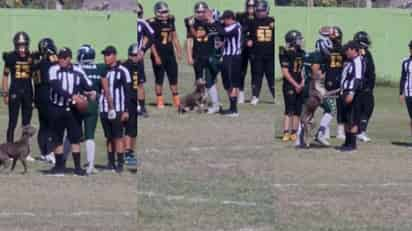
(133, 49)
(262, 6)
(161, 10)
(21, 40)
(294, 38)
(46, 46)
(200, 9)
(363, 39)
(86, 54)
(139, 10)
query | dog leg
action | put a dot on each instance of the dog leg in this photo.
(23, 161)
(13, 165)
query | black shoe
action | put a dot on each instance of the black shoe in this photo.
(346, 149)
(79, 172)
(56, 171)
(230, 113)
(111, 167)
(119, 169)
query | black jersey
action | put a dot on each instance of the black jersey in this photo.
(262, 33)
(246, 21)
(368, 82)
(163, 31)
(293, 61)
(334, 67)
(42, 65)
(134, 71)
(21, 70)
(189, 21)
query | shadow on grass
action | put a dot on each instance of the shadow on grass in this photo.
(401, 144)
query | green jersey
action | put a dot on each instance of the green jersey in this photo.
(94, 73)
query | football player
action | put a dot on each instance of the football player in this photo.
(291, 61)
(144, 41)
(405, 89)
(166, 43)
(136, 73)
(86, 61)
(245, 19)
(202, 39)
(368, 85)
(18, 64)
(262, 50)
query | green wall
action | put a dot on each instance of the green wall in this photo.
(390, 29)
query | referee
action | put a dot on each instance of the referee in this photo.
(232, 60)
(67, 82)
(351, 85)
(405, 87)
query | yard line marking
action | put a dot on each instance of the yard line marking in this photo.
(69, 214)
(382, 185)
(201, 200)
(206, 148)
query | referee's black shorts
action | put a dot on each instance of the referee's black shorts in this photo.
(64, 119)
(231, 71)
(350, 113)
(113, 129)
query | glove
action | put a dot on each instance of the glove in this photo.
(111, 115)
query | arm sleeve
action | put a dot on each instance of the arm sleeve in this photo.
(403, 80)
(371, 70)
(149, 34)
(126, 84)
(283, 58)
(229, 30)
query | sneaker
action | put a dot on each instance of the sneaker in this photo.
(347, 149)
(119, 169)
(213, 110)
(79, 172)
(322, 140)
(56, 171)
(254, 101)
(286, 137)
(29, 158)
(230, 113)
(241, 97)
(50, 158)
(363, 137)
(111, 167)
(131, 161)
(139, 109)
(293, 137)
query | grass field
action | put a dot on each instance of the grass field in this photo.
(321, 189)
(205, 172)
(37, 202)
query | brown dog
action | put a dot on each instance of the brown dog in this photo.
(197, 100)
(18, 150)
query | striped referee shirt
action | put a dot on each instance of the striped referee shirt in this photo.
(144, 30)
(232, 38)
(119, 79)
(406, 78)
(66, 82)
(352, 75)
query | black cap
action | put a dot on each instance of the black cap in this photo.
(109, 50)
(64, 52)
(228, 14)
(410, 44)
(352, 45)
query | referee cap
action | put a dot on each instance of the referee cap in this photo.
(64, 52)
(352, 45)
(109, 50)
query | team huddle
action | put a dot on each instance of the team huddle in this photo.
(338, 78)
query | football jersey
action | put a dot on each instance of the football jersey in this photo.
(368, 82)
(20, 68)
(246, 21)
(94, 72)
(163, 38)
(41, 69)
(134, 75)
(293, 61)
(335, 62)
(262, 33)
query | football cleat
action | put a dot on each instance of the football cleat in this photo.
(363, 137)
(286, 137)
(254, 101)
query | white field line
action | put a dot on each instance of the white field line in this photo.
(207, 148)
(201, 200)
(366, 185)
(6, 214)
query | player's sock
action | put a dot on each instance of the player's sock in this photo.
(176, 99)
(293, 131)
(67, 148)
(59, 161)
(347, 139)
(111, 159)
(353, 140)
(120, 161)
(325, 122)
(214, 97)
(76, 160)
(90, 152)
(233, 104)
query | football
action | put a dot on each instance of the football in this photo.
(80, 103)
